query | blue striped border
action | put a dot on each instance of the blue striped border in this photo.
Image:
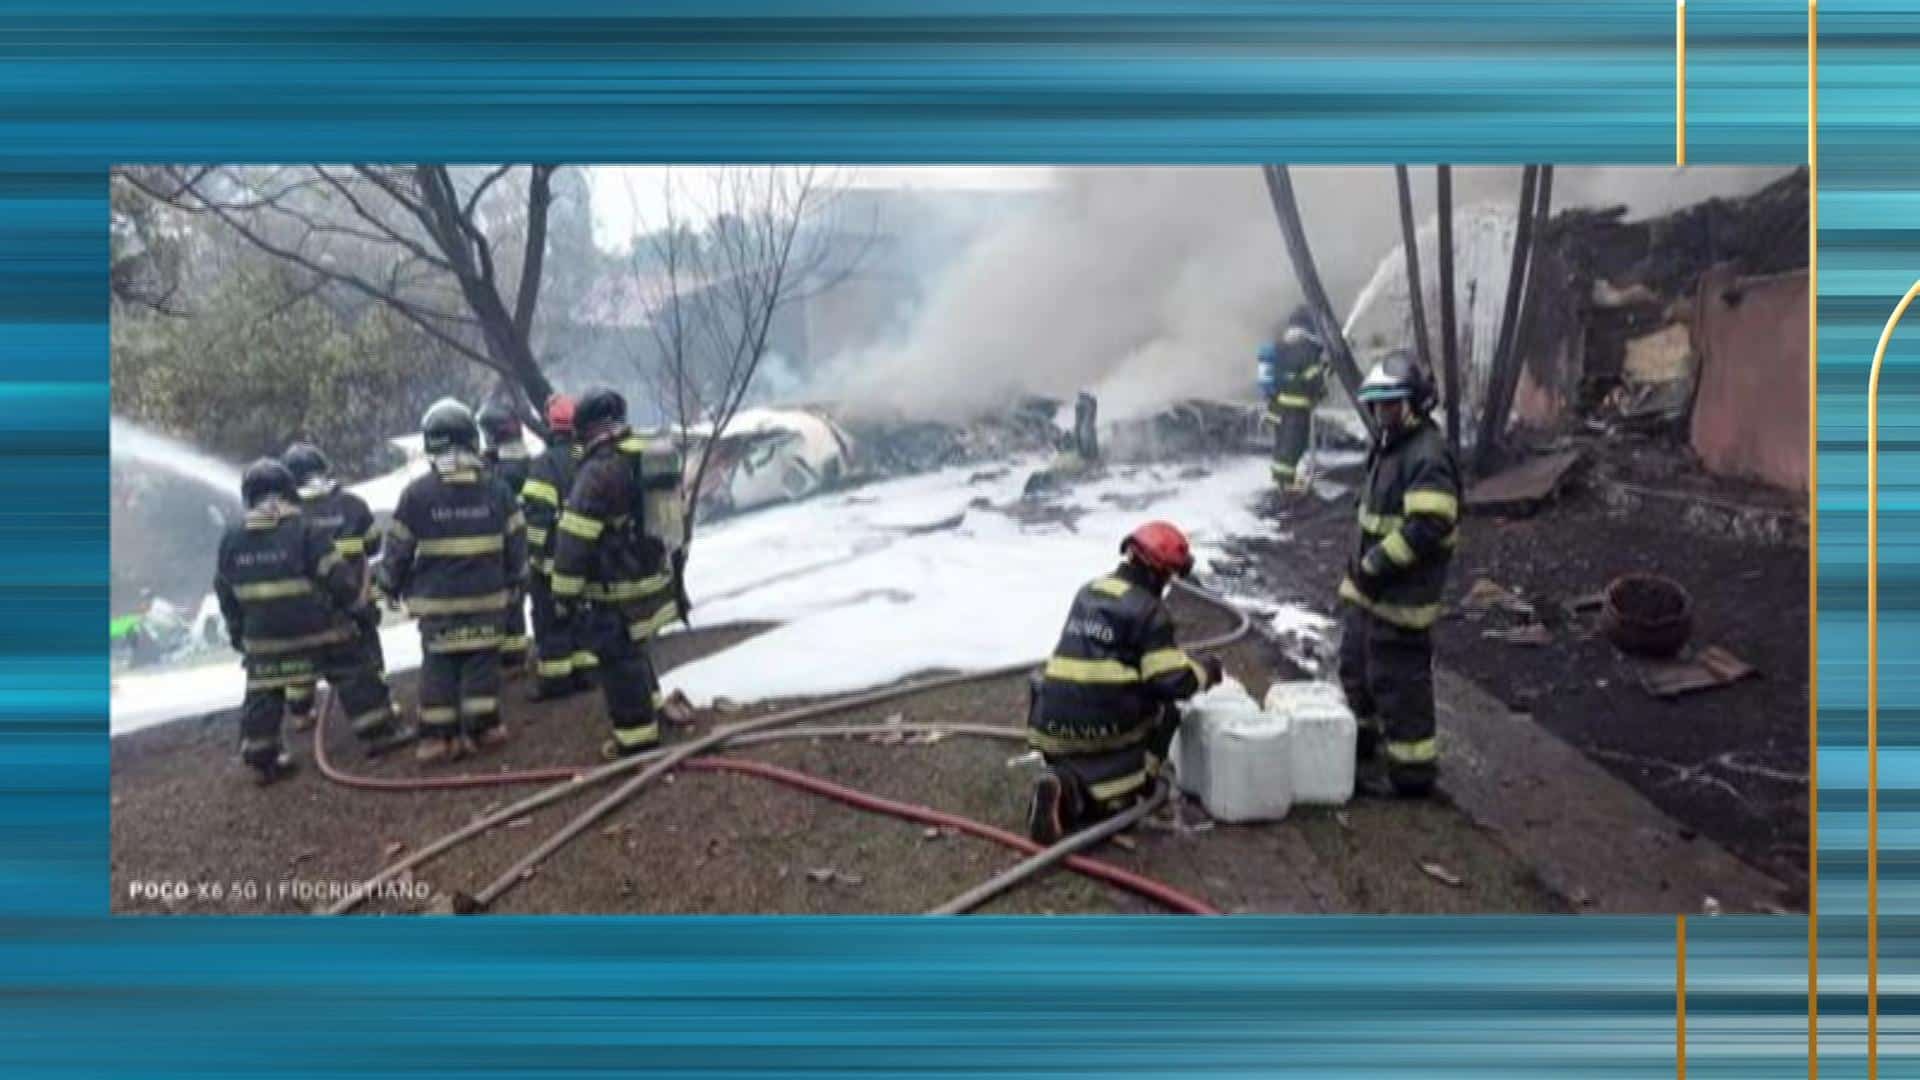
(84, 85)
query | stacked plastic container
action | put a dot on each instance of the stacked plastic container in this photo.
(1246, 762)
(1321, 732)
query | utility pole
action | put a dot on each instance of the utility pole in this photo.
(1449, 340)
(1410, 244)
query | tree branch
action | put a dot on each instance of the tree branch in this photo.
(473, 200)
(419, 251)
(405, 309)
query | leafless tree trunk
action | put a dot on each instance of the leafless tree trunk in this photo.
(425, 240)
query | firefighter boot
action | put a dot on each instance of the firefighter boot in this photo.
(492, 737)
(1053, 808)
(274, 769)
(434, 749)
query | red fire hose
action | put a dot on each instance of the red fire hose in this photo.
(1097, 869)
(1163, 894)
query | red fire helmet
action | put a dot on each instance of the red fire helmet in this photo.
(1161, 546)
(560, 414)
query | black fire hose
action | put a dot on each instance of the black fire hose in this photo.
(1059, 852)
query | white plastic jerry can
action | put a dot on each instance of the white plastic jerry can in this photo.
(1233, 756)
(1322, 732)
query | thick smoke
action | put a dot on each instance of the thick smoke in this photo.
(1146, 285)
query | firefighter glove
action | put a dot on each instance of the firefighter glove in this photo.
(1215, 672)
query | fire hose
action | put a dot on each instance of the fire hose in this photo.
(1094, 868)
(656, 764)
(1060, 852)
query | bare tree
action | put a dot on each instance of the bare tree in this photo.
(432, 242)
(710, 296)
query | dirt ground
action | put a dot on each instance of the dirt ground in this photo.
(1730, 762)
(185, 812)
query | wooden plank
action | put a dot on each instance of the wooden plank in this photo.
(1521, 489)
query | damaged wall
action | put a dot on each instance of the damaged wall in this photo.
(1631, 280)
(1750, 413)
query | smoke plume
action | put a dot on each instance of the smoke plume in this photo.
(1146, 285)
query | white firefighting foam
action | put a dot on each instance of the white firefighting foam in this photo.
(870, 585)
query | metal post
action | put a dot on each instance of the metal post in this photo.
(1492, 419)
(1410, 243)
(1507, 376)
(1449, 339)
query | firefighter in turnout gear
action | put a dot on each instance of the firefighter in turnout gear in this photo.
(616, 556)
(506, 455)
(1104, 707)
(345, 517)
(1409, 508)
(457, 555)
(288, 595)
(562, 665)
(1293, 379)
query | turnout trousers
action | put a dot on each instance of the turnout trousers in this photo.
(1292, 427)
(271, 682)
(1387, 673)
(553, 639)
(1108, 782)
(459, 676)
(459, 693)
(626, 678)
(513, 641)
(300, 698)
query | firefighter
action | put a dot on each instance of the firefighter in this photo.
(1293, 379)
(615, 554)
(346, 518)
(457, 555)
(288, 595)
(506, 455)
(1103, 713)
(561, 666)
(1391, 593)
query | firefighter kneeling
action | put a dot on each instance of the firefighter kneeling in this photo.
(1391, 594)
(615, 555)
(1104, 711)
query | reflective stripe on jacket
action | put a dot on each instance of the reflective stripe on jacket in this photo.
(1409, 511)
(457, 554)
(548, 481)
(1115, 667)
(346, 518)
(604, 548)
(1300, 378)
(282, 587)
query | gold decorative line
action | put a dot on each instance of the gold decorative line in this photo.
(1680, 995)
(1680, 83)
(1813, 547)
(1873, 684)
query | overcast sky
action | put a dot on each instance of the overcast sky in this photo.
(619, 191)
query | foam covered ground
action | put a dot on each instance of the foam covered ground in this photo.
(871, 584)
